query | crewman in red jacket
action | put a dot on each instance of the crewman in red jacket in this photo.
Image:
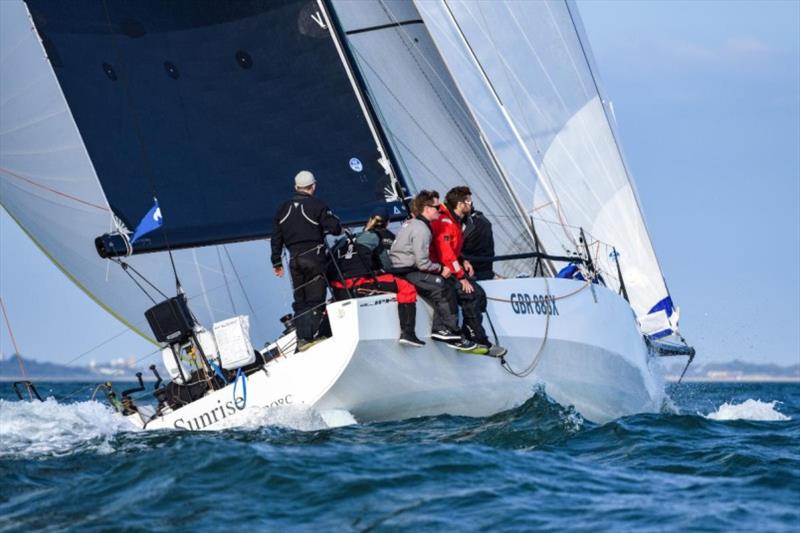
(448, 238)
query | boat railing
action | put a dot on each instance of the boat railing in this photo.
(528, 255)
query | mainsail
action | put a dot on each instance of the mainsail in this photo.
(212, 109)
(526, 72)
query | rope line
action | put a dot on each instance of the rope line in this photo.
(528, 370)
(50, 189)
(537, 357)
(552, 298)
(14, 343)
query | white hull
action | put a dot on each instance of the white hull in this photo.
(593, 358)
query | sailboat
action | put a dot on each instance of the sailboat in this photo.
(212, 107)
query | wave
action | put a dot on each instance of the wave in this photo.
(748, 410)
(50, 428)
(540, 420)
(288, 417)
(40, 429)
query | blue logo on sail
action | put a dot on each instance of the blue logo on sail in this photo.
(355, 164)
(151, 221)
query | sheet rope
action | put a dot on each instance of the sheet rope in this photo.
(528, 370)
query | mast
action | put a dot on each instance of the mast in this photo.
(388, 159)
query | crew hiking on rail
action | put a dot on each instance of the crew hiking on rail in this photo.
(410, 254)
(446, 248)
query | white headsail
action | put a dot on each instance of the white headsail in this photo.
(524, 69)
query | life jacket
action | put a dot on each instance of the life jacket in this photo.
(353, 260)
(379, 240)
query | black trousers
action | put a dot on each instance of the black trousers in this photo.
(473, 305)
(307, 270)
(440, 295)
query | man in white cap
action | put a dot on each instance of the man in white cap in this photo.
(300, 224)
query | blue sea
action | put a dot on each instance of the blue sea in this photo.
(723, 457)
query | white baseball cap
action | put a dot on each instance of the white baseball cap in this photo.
(304, 179)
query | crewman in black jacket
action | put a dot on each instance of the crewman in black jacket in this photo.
(301, 224)
(479, 242)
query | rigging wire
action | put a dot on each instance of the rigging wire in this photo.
(239, 281)
(203, 291)
(14, 344)
(225, 279)
(127, 266)
(126, 330)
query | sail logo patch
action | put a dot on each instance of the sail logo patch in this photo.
(355, 164)
(533, 304)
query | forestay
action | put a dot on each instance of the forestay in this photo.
(525, 72)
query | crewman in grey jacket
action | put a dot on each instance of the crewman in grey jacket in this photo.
(410, 255)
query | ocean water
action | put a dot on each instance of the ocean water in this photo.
(725, 457)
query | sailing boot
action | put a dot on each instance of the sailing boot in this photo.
(473, 330)
(307, 330)
(408, 320)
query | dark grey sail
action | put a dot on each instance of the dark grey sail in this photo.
(211, 107)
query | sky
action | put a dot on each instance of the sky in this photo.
(707, 101)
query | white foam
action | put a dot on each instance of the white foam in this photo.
(50, 428)
(748, 410)
(292, 417)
